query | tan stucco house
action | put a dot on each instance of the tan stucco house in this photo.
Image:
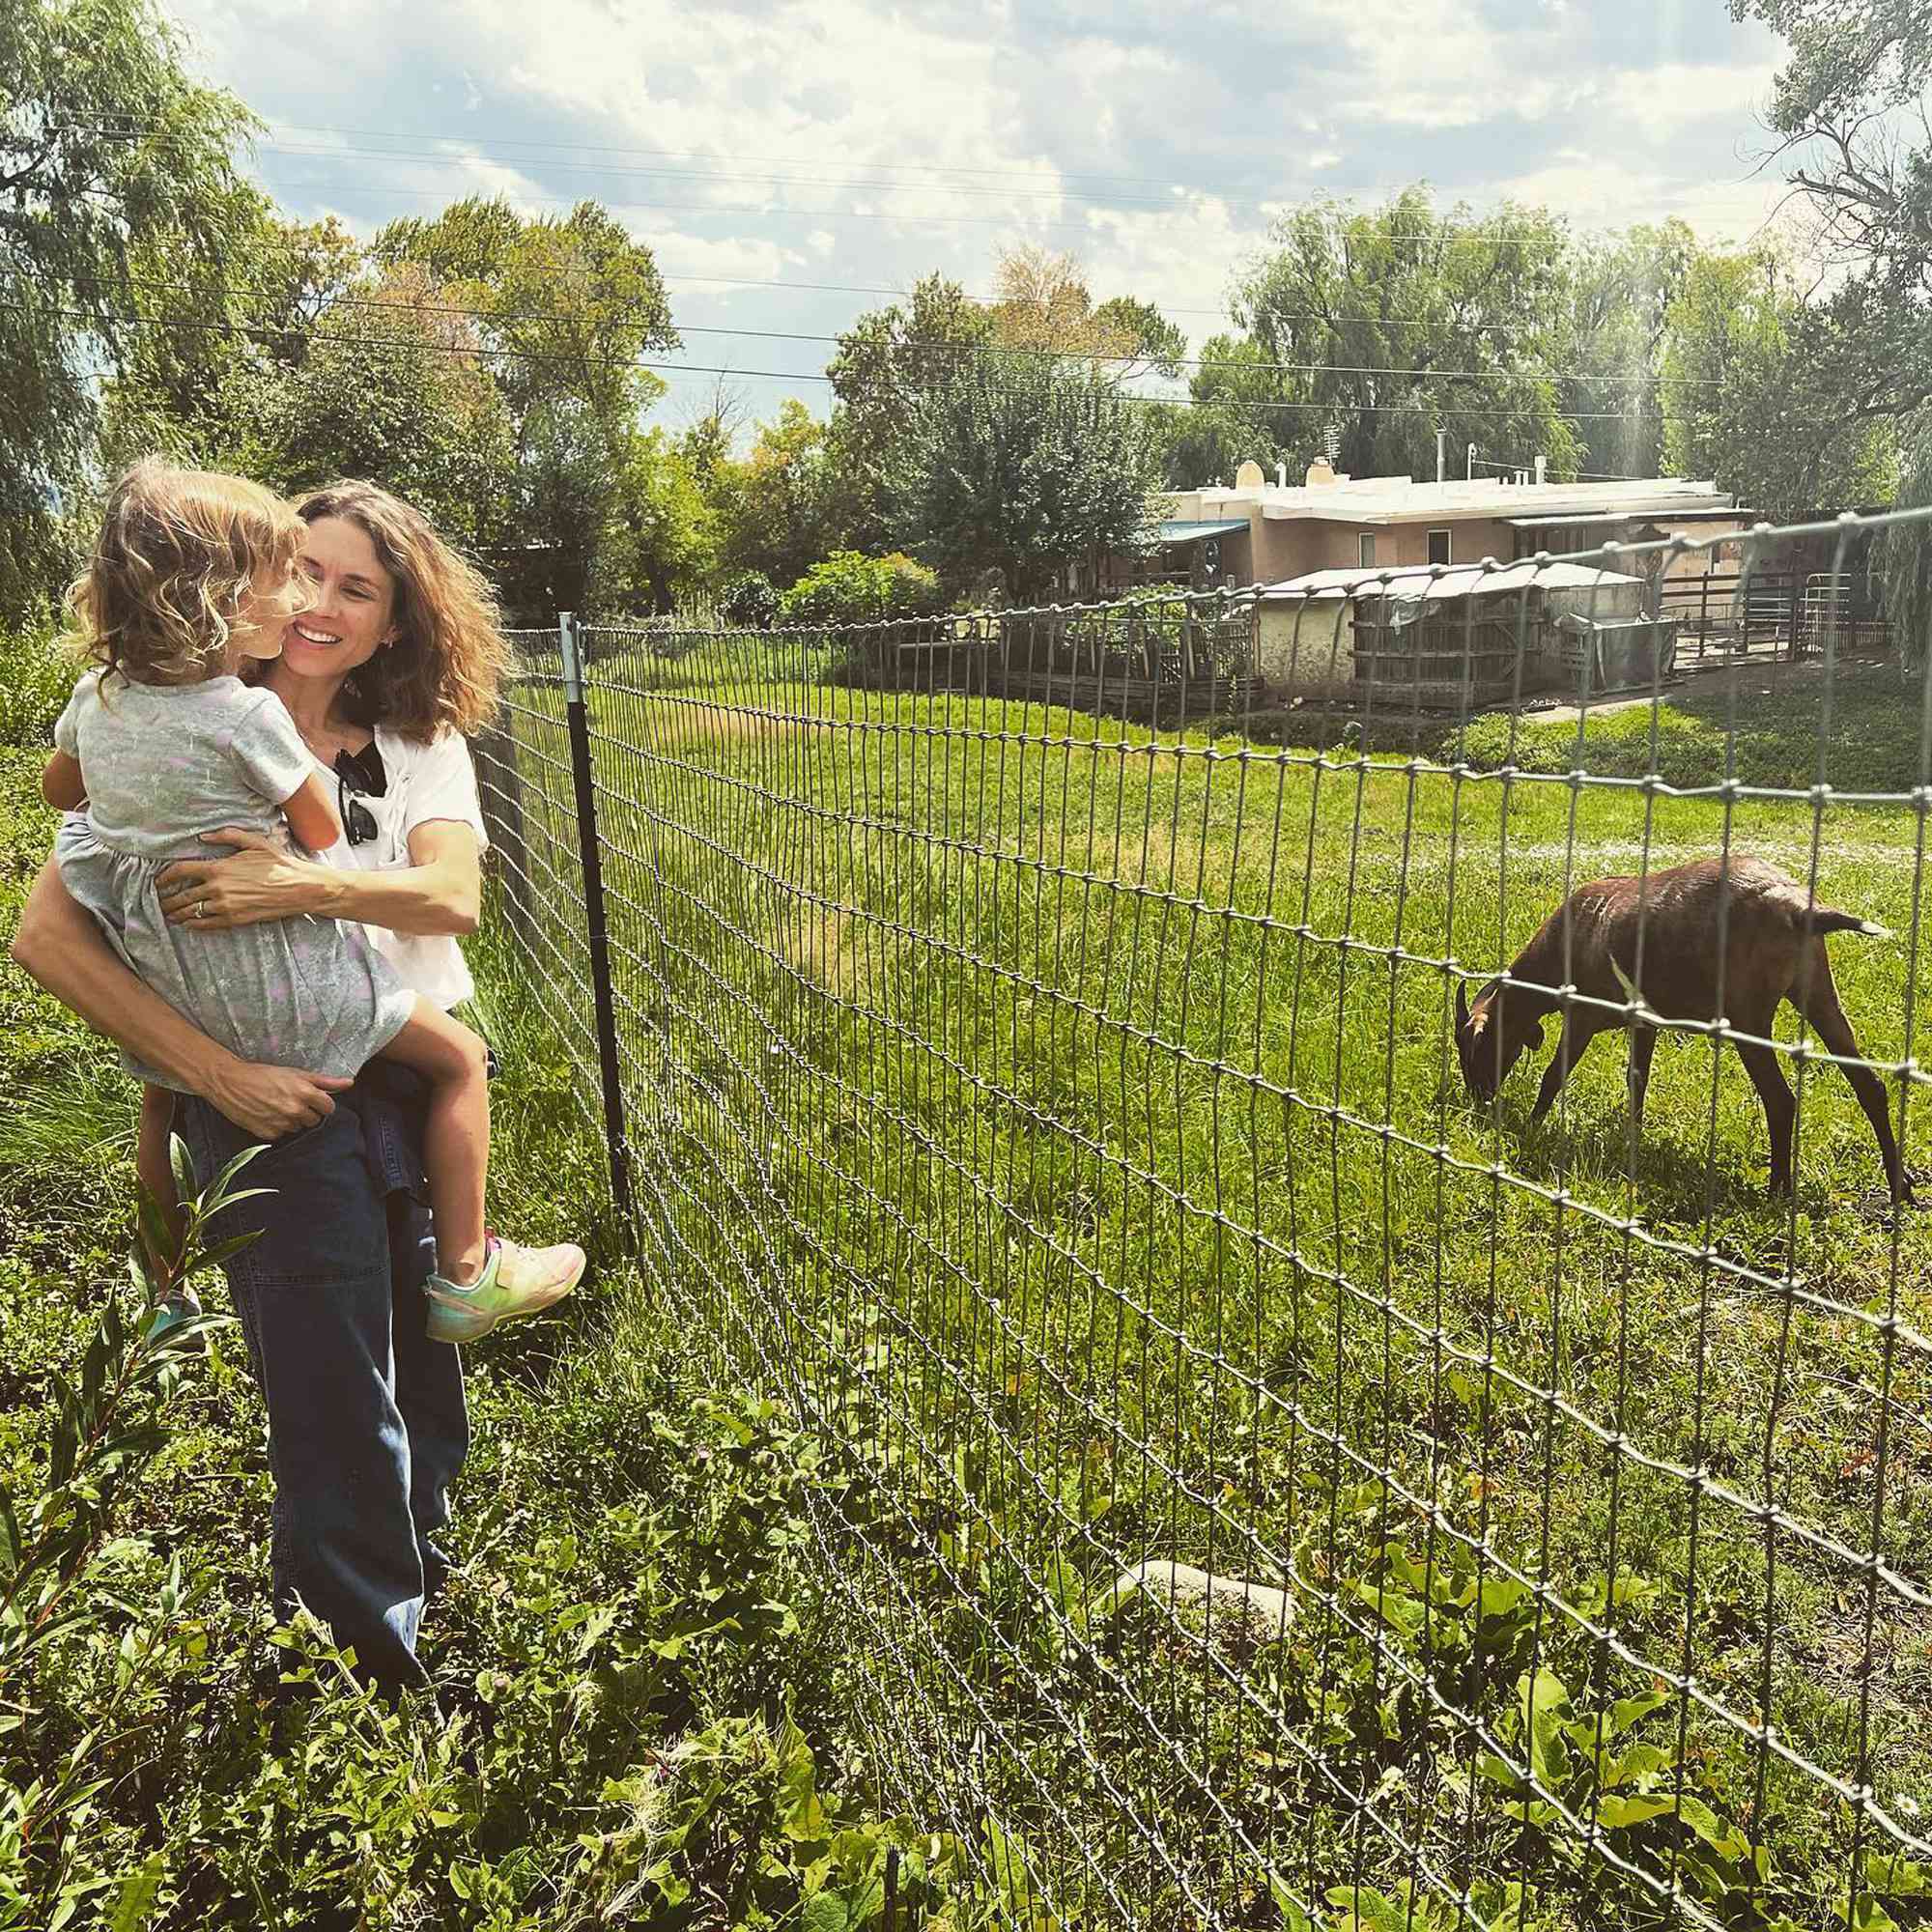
(1258, 531)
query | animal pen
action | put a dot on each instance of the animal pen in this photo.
(1259, 1482)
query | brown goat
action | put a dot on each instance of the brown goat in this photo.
(1772, 948)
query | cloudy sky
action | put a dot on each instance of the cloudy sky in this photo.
(792, 165)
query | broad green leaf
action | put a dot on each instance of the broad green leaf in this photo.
(135, 1904)
(1619, 1815)
(1628, 1711)
(1293, 1917)
(1724, 1840)
(1545, 1707)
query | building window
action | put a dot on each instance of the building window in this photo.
(1439, 546)
(1367, 551)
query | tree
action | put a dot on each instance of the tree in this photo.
(775, 509)
(1843, 107)
(659, 537)
(210, 343)
(1042, 305)
(1777, 399)
(111, 156)
(1025, 463)
(1231, 418)
(565, 309)
(1901, 562)
(1609, 344)
(882, 370)
(391, 385)
(1390, 325)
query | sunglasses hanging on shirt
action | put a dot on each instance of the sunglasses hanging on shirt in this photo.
(360, 771)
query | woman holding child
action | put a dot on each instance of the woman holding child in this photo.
(317, 670)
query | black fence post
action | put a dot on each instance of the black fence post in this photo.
(594, 917)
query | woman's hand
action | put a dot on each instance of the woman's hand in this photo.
(271, 1102)
(260, 881)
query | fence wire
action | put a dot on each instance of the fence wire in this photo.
(1284, 1474)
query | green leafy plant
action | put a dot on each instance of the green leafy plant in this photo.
(850, 588)
(749, 601)
(106, 1432)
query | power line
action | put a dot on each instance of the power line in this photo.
(590, 359)
(497, 318)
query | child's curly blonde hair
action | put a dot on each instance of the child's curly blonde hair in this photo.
(180, 554)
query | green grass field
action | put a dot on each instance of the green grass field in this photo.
(1067, 1112)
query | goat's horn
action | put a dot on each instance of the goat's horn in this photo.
(1462, 1005)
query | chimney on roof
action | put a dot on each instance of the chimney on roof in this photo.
(1281, 476)
(1321, 473)
(1249, 475)
(1541, 461)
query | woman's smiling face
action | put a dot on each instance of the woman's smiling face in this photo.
(352, 615)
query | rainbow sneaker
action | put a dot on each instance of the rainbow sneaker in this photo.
(514, 1282)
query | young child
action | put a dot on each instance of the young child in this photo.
(195, 573)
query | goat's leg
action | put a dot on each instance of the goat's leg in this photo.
(1780, 1108)
(1579, 1029)
(1817, 999)
(1643, 1044)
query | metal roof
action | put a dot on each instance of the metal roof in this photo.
(1674, 515)
(1460, 581)
(1188, 529)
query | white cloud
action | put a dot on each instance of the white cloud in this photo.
(856, 142)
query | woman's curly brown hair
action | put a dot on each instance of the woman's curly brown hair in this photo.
(179, 552)
(449, 656)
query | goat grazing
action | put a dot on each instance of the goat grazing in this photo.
(1772, 948)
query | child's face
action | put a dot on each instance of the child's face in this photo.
(278, 596)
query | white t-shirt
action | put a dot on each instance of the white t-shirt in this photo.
(426, 782)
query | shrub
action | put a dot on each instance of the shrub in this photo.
(36, 674)
(850, 588)
(749, 601)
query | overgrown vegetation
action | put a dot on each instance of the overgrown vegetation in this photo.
(1020, 1048)
(633, 1668)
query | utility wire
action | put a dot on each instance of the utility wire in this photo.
(498, 319)
(589, 358)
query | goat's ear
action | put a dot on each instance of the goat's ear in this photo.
(1535, 1039)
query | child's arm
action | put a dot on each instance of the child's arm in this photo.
(310, 815)
(61, 783)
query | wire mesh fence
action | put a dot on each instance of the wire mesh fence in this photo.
(1287, 1474)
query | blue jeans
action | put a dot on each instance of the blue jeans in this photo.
(367, 1426)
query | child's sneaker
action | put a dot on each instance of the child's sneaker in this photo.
(514, 1282)
(170, 1312)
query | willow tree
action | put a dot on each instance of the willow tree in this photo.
(111, 155)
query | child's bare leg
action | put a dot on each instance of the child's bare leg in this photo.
(152, 1163)
(456, 1135)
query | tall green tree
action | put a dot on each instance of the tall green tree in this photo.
(883, 369)
(212, 342)
(1607, 344)
(1848, 109)
(112, 157)
(566, 310)
(1025, 463)
(1901, 558)
(390, 385)
(778, 510)
(1780, 400)
(1389, 324)
(1231, 416)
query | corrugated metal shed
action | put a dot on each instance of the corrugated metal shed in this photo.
(1416, 582)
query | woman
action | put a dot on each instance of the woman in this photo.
(399, 658)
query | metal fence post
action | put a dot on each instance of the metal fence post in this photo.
(593, 897)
